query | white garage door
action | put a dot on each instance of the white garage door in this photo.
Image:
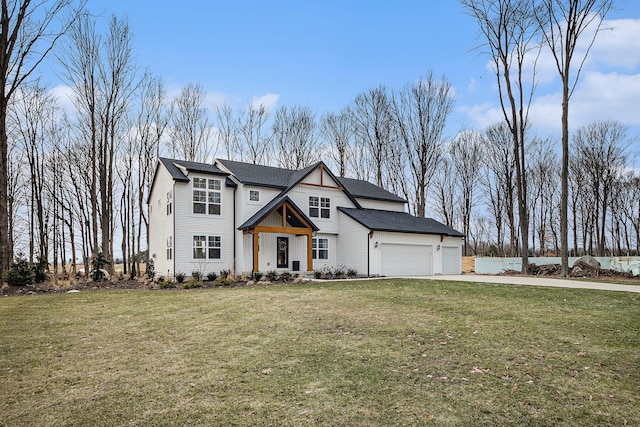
(406, 260)
(450, 260)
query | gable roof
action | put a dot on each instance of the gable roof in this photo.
(401, 222)
(273, 205)
(173, 168)
(367, 190)
(269, 176)
(259, 175)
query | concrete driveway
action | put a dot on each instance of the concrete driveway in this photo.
(536, 281)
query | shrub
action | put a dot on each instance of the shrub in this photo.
(223, 281)
(317, 274)
(192, 284)
(99, 263)
(41, 270)
(352, 273)
(224, 273)
(151, 270)
(167, 285)
(326, 272)
(285, 276)
(197, 275)
(212, 276)
(338, 272)
(257, 276)
(180, 277)
(160, 279)
(272, 275)
(20, 273)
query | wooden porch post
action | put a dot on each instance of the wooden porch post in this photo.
(309, 252)
(256, 246)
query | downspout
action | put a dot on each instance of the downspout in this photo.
(234, 230)
(369, 236)
(173, 238)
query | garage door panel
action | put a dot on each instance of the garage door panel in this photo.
(406, 260)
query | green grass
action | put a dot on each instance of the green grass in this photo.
(360, 353)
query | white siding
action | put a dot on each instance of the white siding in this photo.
(247, 208)
(161, 224)
(300, 196)
(188, 224)
(381, 205)
(352, 245)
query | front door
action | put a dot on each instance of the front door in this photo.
(283, 252)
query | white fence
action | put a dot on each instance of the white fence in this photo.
(490, 265)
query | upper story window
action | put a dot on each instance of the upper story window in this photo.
(319, 207)
(206, 196)
(169, 203)
(254, 196)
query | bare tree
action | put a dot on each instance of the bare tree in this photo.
(190, 131)
(510, 28)
(445, 192)
(254, 141)
(338, 133)
(563, 24)
(420, 112)
(373, 125)
(466, 156)
(151, 121)
(499, 183)
(227, 130)
(600, 157)
(101, 70)
(28, 33)
(32, 117)
(295, 137)
(543, 181)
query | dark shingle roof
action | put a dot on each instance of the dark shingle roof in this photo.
(402, 222)
(260, 175)
(268, 176)
(367, 190)
(178, 175)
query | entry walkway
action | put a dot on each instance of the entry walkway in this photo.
(536, 281)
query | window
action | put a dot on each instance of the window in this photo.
(206, 196)
(319, 207)
(198, 247)
(314, 204)
(215, 245)
(325, 207)
(320, 248)
(254, 196)
(169, 204)
(169, 247)
(207, 247)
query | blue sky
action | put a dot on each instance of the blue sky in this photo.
(323, 53)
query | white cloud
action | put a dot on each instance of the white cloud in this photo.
(616, 45)
(64, 95)
(609, 86)
(268, 100)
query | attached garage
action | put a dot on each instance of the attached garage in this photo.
(406, 260)
(451, 261)
(399, 244)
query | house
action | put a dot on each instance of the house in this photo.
(244, 218)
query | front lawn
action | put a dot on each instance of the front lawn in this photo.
(383, 352)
